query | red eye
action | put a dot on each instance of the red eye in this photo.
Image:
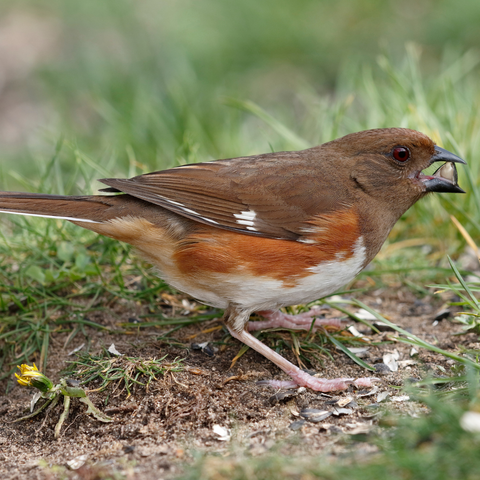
(401, 154)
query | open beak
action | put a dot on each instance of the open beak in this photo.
(445, 178)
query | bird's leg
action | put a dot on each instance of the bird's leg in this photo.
(236, 319)
(301, 321)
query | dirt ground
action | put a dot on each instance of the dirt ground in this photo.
(210, 407)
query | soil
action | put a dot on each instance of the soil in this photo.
(210, 407)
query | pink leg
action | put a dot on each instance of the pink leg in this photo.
(299, 377)
(302, 321)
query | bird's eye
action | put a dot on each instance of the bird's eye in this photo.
(402, 154)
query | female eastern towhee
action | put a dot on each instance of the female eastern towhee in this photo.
(253, 234)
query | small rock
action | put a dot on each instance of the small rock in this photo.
(406, 363)
(470, 422)
(358, 351)
(282, 395)
(330, 428)
(342, 411)
(71, 382)
(222, 433)
(373, 391)
(297, 425)
(321, 394)
(77, 462)
(354, 331)
(382, 396)
(382, 369)
(442, 315)
(343, 402)
(365, 315)
(382, 327)
(390, 359)
(205, 347)
(113, 350)
(400, 398)
(75, 350)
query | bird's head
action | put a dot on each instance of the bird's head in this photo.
(388, 164)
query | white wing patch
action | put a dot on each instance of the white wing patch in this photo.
(246, 217)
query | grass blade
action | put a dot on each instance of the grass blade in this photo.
(348, 352)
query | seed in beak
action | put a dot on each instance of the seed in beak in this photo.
(443, 180)
(448, 172)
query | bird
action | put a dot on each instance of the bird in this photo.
(257, 233)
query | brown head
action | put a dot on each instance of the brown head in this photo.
(386, 164)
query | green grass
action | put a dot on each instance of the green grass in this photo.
(123, 372)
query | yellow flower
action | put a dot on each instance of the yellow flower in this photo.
(31, 377)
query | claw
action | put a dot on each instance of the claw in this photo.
(366, 382)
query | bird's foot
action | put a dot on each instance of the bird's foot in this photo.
(303, 379)
(299, 377)
(301, 321)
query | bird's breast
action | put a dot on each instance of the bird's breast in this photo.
(221, 267)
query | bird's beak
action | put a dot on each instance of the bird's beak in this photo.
(445, 178)
(442, 155)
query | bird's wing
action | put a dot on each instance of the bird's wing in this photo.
(271, 195)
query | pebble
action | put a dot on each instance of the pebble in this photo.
(382, 369)
(297, 425)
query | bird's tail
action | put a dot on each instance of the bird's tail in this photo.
(121, 217)
(82, 209)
